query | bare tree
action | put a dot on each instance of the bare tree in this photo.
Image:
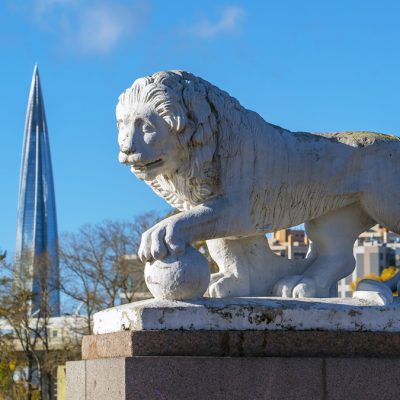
(95, 267)
(25, 332)
(30, 358)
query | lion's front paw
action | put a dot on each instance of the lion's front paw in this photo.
(305, 288)
(161, 240)
(284, 287)
(295, 286)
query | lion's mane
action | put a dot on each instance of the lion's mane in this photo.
(197, 112)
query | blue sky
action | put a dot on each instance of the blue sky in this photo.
(305, 65)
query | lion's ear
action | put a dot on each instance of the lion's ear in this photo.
(196, 102)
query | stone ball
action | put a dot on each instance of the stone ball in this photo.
(178, 277)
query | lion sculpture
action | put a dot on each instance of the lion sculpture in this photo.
(235, 177)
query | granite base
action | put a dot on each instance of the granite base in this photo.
(233, 378)
(240, 349)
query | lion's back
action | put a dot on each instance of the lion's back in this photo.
(359, 138)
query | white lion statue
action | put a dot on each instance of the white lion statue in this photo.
(235, 177)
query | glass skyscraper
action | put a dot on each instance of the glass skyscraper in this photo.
(36, 255)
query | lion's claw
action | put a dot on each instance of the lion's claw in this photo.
(305, 288)
(284, 287)
(296, 286)
(160, 241)
(158, 247)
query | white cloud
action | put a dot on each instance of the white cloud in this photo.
(42, 9)
(227, 23)
(90, 26)
(102, 27)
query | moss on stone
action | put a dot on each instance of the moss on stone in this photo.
(359, 138)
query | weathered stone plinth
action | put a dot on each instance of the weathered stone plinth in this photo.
(240, 349)
(244, 314)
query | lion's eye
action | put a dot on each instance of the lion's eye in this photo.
(147, 128)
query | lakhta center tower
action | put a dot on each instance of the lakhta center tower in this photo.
(36, 255)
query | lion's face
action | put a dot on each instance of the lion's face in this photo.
(146, 142)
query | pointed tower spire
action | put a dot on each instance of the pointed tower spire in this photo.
(37, 265)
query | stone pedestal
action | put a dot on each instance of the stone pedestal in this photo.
(240, 349)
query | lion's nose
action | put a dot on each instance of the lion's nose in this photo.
(127, 147)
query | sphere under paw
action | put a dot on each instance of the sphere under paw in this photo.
(178, 277)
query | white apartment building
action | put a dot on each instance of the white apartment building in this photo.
(374, 250)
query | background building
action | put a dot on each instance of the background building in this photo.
(290, 243)
(374, 250)
(36, 254)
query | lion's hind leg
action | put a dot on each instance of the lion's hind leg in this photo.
(333, 236)
(384, 207)
(232, 280)
(248, 267)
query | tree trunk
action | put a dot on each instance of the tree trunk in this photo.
(30, 378)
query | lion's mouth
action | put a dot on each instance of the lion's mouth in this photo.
(148, 165)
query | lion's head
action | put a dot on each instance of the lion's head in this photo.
(168, 125)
